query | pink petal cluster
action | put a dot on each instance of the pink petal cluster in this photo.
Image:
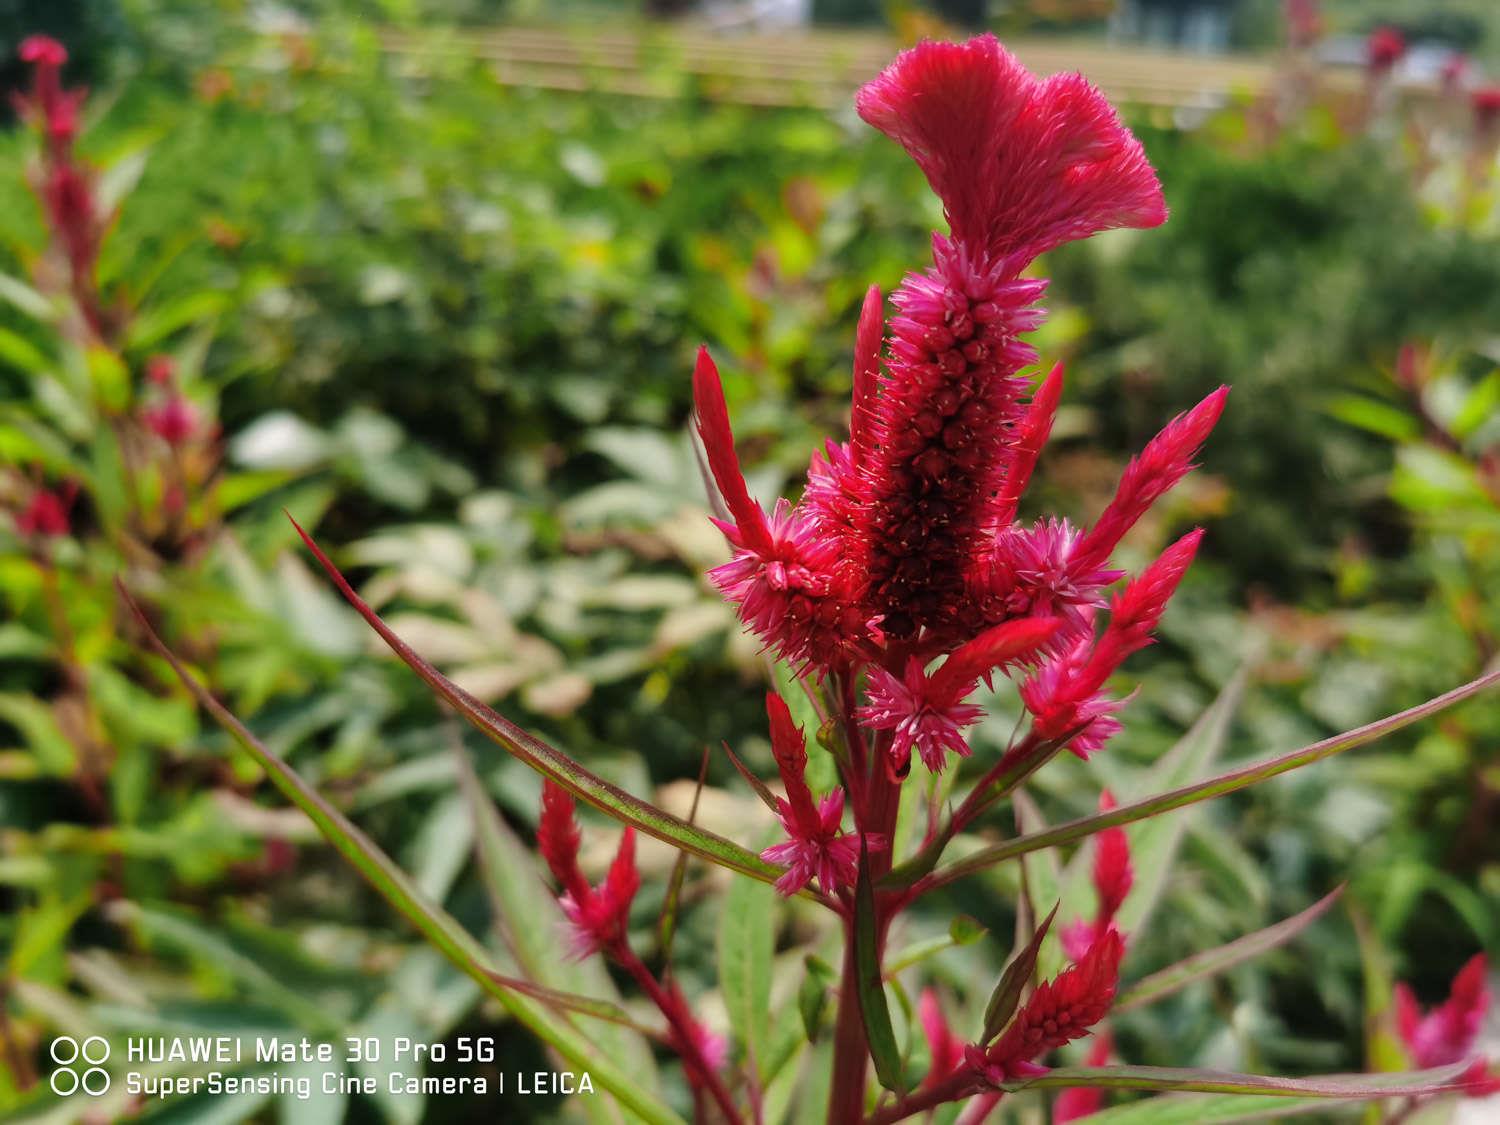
(45, 515)
(1113, 875)
(1059, 1011)
(597, 917)
(174, 419)
(1446, 1034)
(1385, 47)
(905, 547)
(816, 846)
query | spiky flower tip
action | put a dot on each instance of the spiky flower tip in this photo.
(1059, 1011)
(816, 847)
(597, 918)
(1114, 875)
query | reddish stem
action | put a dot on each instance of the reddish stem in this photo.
(684, 1038)
(960, 1084)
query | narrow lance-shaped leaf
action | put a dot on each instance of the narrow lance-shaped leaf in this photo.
(871, 988)
(1230, 782)
(1007, 994)
(436, 925)
(812, 995)
(666, 925)
(1211, 962)
(762, 790)
(549, 762)
(1414, 1083)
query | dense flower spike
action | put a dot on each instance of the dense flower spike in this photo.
(597, 918)
(1040, 570)
(1113, 878)
(817, 847)
(1059, 1011)
(46, 513)
(174, 419)
(946, 1048)
(927, 712)
(1448, 1033)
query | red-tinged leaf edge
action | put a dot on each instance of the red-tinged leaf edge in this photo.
(1416, 1083)
(1230, 782)
(1201, 966)
(572, 1002)
(762, 790)
(552, 763)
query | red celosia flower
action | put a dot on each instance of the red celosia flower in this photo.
(1080, 1101)
(1059, 1011)
(597, 917)
(161, 370)
(817, 847)
(46, 513)
(1486, 105)
(1384, 48)
(48, 104)
(1039, 570)
(1167, 458)
(1021, 165)
(785, 574)
(1113, 878)
(946, 1048)
(174, 420)
(928, 712)
(1447, 1033)
(1065, 694)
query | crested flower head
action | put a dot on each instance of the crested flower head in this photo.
(816, 846)
(1448, 1033)
(1021, 164)
(1059, 1011)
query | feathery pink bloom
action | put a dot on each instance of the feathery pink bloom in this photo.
(1384, 48)
(928, 712)
(1113, 878)
(48, 104)
(1167, 458)
(946, 1048)
(1031, 435)
(785, 574)
(46, 513)
(597, 918)
(174, 419)
(1080, 1101)
(1446, 1034)
(1057, 707)
(1038, 570)
(1059, 1011)
(1021, 165)
(816, 847)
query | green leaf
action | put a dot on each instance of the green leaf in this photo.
(869, 983)
(435, 924)
(1230, 782)
(1211, 962)
(1376, 417)
(813, 994)
(747, 943)
(1353, 1086)
(25, 298)
(1007, 994)
(552, 763)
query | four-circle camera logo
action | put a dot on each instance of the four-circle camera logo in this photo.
(78, 1065)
